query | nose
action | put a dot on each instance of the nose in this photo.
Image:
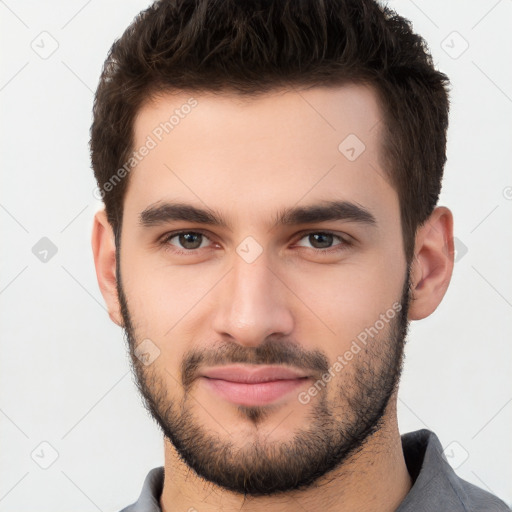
(252, 304)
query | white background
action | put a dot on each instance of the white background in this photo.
(64, 372)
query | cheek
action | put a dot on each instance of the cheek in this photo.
(161, 306)
(161, 298)
(341, 302)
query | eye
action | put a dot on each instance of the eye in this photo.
(323, 241)
(188, 240)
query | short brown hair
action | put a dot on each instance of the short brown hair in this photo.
(254, 46)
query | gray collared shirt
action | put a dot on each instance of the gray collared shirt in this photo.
(436, 487)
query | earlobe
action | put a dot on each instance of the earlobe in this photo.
(104, 252)
(432, 264)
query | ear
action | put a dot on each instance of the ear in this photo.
(432, 264)
(104, 251)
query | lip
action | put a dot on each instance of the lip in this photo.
(252, 374)
(252, 386)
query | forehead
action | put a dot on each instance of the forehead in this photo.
(256, 154)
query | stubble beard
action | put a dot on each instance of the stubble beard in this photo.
(334, 431)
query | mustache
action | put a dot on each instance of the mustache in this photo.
(270, 352)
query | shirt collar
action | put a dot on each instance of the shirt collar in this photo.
(436, 486)
(149, 499)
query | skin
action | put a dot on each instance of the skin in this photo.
(248, 159)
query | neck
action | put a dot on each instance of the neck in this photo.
(374, 479)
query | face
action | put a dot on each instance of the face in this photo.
(262, 234)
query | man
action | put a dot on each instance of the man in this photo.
(270, 172)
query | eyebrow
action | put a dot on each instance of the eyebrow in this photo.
(162, 213)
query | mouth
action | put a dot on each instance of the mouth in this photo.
(252, 385)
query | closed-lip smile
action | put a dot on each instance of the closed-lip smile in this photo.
(252, 374)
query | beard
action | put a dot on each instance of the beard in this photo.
(335, 430)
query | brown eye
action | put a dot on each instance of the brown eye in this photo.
(188, 240)
(322, 240)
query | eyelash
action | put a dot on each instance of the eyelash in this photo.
(344, 245)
